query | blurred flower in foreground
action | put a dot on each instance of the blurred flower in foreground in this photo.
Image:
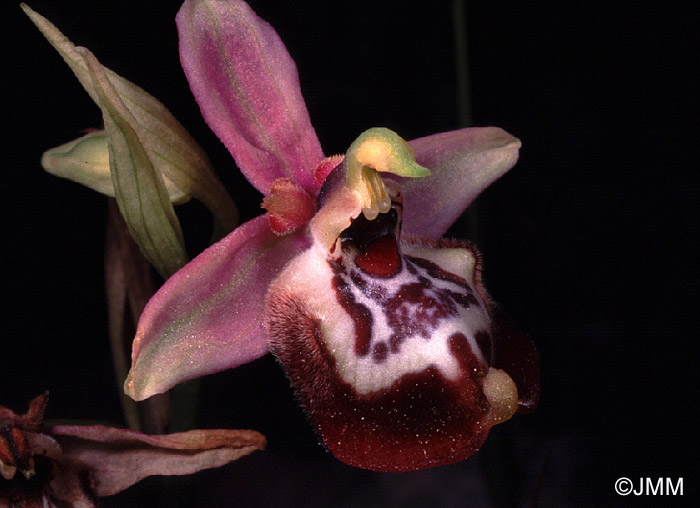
(72, 465)
(386, 332)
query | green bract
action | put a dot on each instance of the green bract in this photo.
(146, 145)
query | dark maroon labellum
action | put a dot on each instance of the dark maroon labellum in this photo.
(388, 346)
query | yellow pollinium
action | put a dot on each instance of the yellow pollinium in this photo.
(379, 150)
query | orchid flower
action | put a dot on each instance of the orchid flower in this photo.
(386, 332)
(71, 465)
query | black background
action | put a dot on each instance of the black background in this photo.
(588, 242)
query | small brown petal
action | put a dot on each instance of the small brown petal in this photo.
(118, 458)
(290, 206)
(34, 418)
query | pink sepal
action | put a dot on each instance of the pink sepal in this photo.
(463, 163)
(208, 316)
(247, 87)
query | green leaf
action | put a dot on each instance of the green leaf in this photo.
(138, 187)
(172, 151)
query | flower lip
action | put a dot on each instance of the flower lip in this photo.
(395, 338)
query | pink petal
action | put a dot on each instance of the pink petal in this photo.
(463, 163)
(208, 316)
(118, 458)
(247, 87)
(289, 206)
